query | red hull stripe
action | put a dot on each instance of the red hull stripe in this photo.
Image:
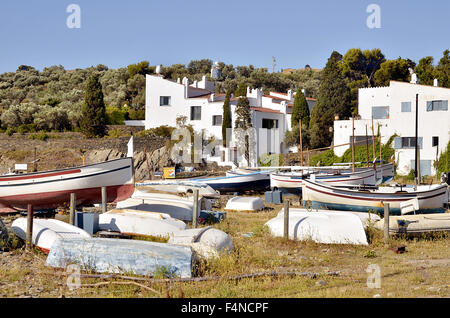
(37, 176)
(379, 199)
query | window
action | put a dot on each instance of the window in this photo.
(269, 123)
(406, 107)
(196, 112)
(435, 141)
(361, 140)
(217, 120)
(380, 112)
(164, 101)
(436, 105)
(407, 142)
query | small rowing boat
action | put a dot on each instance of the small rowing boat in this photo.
(318, 195)
(46, 232)
(51, 189)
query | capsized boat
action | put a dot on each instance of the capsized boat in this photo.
(238, 181)
(184, 186)
(322, 195)
(245, 204)
(208, 242)
(122, 256)
(47, 231)
(135, 222)
(177, 207)
(50, 189)
(294, 181)
(330, 227)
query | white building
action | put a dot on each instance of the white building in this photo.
(167, 100)
(393, 109)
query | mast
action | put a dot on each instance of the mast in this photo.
(416, 176)
(353, 144)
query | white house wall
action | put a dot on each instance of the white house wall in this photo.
(431, 123)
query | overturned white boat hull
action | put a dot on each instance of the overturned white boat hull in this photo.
(136, 222)
(321, 227)
(413, 224)
(122, 256)
(207, 242)
(245, 204)
(179, 186)
(47, 232)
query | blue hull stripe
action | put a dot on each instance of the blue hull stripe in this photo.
(241, 186)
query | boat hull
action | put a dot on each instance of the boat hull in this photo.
(323, 196)
(237, 182)
(47, 190)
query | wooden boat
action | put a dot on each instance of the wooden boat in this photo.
(178, 187)
(206, 242)
(417, 224)
(134, 222)
(237, 181)
(330, 227)
(294, 181)
(50, 189)
(47, 231)
(322, 195)
(122, 256)
(245, 204)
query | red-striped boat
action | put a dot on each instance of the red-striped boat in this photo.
(51, 189)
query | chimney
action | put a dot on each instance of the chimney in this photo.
(248, 91)
(196, 84)
(211, 98)
(414, 79)
(289, 94)
(436, 82)
(186, 87)
(178, 80)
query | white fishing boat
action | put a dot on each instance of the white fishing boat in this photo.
(322, 195)
(47, 231)
(330, 227)
(136, 257)
(208, 242)
(135, 222)
(50, 189)
(294, 181)
(177, 207)
(417, 224)
(245, 204)
(184, 186)
(238, 181)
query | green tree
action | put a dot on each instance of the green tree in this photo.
(241, 90)
(243, 121)
(140, 68)
(333, 98)
(393, 70)
(425, 71)
(226, 117)
(93, 112)
(443, 70)
(300, 110)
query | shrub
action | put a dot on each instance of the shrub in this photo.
(10, 131)
(42, 135)
(115, 115)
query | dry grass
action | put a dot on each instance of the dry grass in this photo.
(420, 272)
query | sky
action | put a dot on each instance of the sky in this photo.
(239, 32)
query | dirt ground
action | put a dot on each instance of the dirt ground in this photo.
(326, 270)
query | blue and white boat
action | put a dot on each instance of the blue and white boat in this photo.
(320, 195)
(294, 181)
(239, 181)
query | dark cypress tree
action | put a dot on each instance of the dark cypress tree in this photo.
(93, 114)
(300, 110)
(226, 118)
(241, 90)
(333, 98)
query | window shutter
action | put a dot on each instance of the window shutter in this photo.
(445, 105)
(397, 142)
(429, 106)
